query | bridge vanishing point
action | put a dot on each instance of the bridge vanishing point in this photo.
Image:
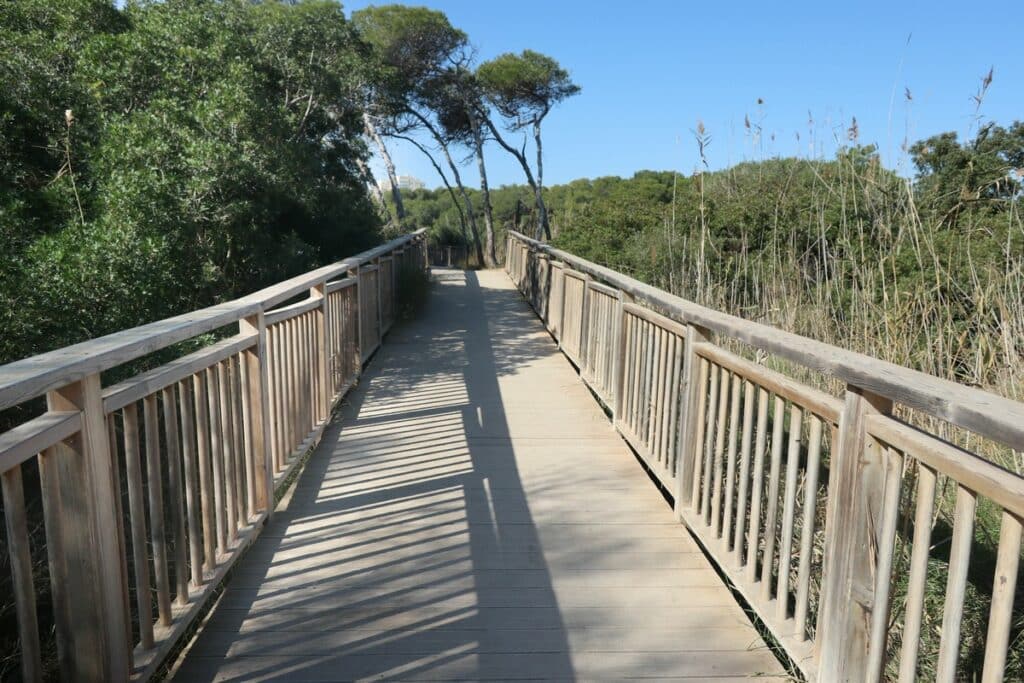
(550, 473)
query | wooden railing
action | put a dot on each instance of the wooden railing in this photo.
(200, 445)
(799, 496)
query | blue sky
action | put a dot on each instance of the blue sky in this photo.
(650, 70)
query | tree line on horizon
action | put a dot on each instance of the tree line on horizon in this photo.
(162, 156)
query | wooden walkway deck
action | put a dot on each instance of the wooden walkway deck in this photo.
(473, 516)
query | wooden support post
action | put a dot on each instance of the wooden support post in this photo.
(852, 527)
(258, 432)
(79, 490)
(584, 326)
(688, 446)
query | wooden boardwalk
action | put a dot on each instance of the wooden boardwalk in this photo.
(473, 516)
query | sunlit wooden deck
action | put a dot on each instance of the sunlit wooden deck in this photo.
(472, 515)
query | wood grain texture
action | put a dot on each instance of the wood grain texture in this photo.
(472, 517)
(987, 414)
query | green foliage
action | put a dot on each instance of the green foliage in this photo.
(524, 87)
(211, 149)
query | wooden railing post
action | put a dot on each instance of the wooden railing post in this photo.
(87, 562)
(691, 389)
(852, 522)
(258, 435)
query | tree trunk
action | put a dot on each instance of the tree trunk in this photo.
(458, 182)
(538, 191)
(542, 225)
(491, 258)
(374, 188)
(396, 194)
(444, 179)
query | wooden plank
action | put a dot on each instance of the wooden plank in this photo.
(292, 311)
(811, 399)
(1002, 486)
(691, 418)
(978, 411)
(36, 435)
(338, 285)
(20, 554)
(656, 319)
(140, 386)
(500, 549)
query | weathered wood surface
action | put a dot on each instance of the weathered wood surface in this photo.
(472, 516)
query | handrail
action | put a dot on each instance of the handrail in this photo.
(993, 416)
(797, 495)
(221, 430)
(31, 377)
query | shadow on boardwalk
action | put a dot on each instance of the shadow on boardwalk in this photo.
(408, 549)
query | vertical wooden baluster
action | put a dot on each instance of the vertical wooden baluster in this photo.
(619, 350)
(716, 484)
(657, 381)
(227, 455)
(807, 531)
(628, 371)
(53, 517)
(760, 443)
(770, 527)
(154, 482)
(174, 488)
(885, 542)
(192, 491)
(20, 554)
(788, 511)
(730, 467)
(648, 377)
(918, 580)
(666, 383)
(714, 372)
(205, 481)
(1004, 587)
(238, 423)
(217, 458)
(137, 512)
(956, 584)
(744, 483)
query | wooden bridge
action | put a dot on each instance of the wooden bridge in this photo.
(554, 472)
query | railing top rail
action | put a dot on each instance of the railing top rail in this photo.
(979, 411)
(30, 377)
